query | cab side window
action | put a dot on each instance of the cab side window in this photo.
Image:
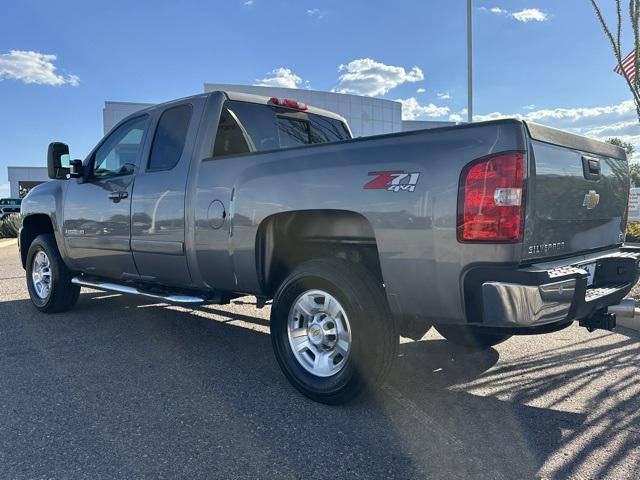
(118, 154)
(230, 138)
(170, 137)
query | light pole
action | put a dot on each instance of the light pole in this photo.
(469, 61)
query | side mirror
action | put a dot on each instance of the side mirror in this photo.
(75, 169)
(56, 154)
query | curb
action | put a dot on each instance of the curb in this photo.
(5, 242)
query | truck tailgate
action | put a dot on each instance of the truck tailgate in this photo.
(576, 194)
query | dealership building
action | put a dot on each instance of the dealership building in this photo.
(366, 116)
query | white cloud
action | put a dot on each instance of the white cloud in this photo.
(248, 3)
(365, 76)
(33, 67)
(495, 10)
(615, 129)
(315, 12)
(601, 122)
(444, 96)
(456, 117)
(412, 110)
(567, 117)
(529, 107)
(281, 77)
(525, 15)
(530, 15)
(420, 90)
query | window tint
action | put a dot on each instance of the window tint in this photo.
(118, 154)
(325, 129)
(292, 132)
(230, 138)
(169, 139)
(258, 124)
(249, 127)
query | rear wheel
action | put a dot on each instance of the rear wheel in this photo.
(331, 331)
(470, 337)
(48, 278)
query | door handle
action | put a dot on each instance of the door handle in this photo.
(117, 196)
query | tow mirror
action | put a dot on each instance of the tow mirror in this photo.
(57, 154)
(75, 169)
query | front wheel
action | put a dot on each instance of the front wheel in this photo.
(331, 331)
(48, 278)
(470, 337)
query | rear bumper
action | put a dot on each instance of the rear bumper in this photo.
(549, 293)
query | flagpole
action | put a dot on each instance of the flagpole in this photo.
(469, 61)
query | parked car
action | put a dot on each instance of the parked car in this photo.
(9, 206)
(484, 231)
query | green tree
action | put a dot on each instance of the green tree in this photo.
(634, 167)
(634, 171)
(615, 39)
(628, 147)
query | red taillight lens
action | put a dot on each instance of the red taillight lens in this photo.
(289, 103)
(491, 199)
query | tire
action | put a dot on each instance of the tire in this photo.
(60, 295)
(469, 337)
(345, 370)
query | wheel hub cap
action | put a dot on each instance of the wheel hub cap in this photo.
(41, 275)
(319, 333)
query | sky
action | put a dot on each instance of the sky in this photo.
(542, 60)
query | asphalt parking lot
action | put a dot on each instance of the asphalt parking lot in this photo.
(123, 388)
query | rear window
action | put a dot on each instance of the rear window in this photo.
(250, 127)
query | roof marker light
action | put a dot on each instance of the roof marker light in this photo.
(289, 103)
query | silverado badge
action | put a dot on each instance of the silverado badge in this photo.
(591, 200)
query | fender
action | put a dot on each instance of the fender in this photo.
(46, 199)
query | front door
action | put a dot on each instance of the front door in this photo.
(97, 213)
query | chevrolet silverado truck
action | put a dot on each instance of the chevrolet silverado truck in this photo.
(483, 230)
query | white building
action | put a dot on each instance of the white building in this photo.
(23, 179)
(366, 116)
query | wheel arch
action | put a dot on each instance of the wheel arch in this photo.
(284, 240)
(32, 226)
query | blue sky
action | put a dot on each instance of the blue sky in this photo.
(543, 60)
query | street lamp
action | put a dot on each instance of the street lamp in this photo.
(469, 61)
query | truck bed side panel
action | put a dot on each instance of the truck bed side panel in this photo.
(415, 231)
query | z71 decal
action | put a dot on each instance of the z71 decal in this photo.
(393, 181)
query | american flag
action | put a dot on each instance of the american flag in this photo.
(628, 67)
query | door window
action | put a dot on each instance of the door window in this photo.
(170, 137)
(119, 153)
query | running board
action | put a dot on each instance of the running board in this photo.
(116, 287)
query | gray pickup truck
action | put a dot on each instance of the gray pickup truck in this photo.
(483, 231)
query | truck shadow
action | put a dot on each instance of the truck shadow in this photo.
(154, 381)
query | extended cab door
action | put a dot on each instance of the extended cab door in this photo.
(158, 208)
(97, 210)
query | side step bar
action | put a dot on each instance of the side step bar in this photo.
(115, 287)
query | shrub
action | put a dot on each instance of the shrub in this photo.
(9, 226)
(633, 232)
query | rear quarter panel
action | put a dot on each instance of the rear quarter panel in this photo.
(422, 262)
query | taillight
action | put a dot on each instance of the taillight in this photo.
(491, 199)
(287, 102)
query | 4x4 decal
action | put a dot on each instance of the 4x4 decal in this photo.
(393, 181)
